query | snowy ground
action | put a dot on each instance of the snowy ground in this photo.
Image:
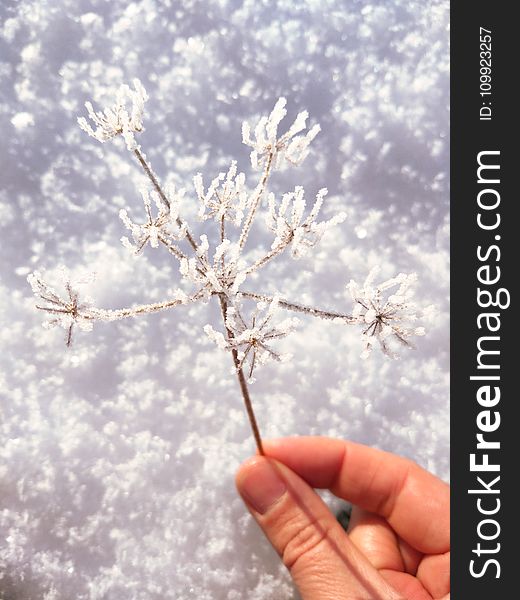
(117, 456)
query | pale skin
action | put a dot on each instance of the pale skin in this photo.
(397, 546)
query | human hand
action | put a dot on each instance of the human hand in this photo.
(398, 541)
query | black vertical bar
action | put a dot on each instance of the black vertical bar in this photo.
(483, 523)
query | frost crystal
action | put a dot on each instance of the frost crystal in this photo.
(287, 222)
(252, 341)
(220, 275)
(226, 198)
(385, 319)
(65, 312)
(118, 119)
(268, 146)
(162, 228)
(217, 266)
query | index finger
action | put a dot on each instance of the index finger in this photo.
(412, 500)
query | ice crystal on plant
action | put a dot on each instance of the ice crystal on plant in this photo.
(387, 319)
(118, 119)
(226, 198)
(216, 267)
(163, 227)
(65, 312)
(252, 341)
(218, 275)
(286, 220)
(267, 146)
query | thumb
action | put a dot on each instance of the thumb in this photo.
(323, 562)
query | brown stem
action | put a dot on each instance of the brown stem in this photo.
(242, 382)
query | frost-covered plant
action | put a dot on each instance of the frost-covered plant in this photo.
(217, 268)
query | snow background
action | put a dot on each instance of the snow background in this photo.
(117, 456)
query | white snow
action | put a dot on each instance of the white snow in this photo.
(22, 120)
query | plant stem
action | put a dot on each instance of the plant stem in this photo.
(296, 307)
(172, 249)
(242, 382)
(258, 193)
(99, 314)
(222, 238)
(269, 256)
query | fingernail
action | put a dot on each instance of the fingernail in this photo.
(262, 486)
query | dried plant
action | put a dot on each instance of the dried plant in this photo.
(217, 269)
